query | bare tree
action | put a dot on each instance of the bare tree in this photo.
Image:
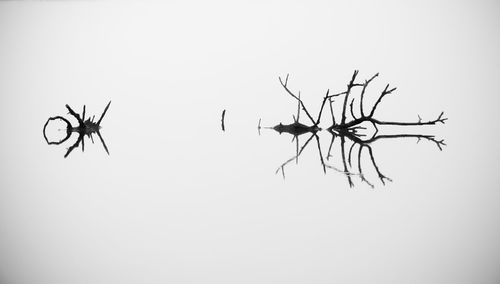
(348, 129)
(352, 124)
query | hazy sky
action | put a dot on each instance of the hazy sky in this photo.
(180, 201)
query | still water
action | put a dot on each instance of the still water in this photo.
(180, 200)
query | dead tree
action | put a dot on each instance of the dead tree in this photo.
(350, 126)
(296, 128)
(85, 127)
(348, 129)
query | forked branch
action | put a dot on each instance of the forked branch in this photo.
(385, 92)
(285, 86)
(365, 85)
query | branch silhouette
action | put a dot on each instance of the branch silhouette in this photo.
(367, 144)
(296, 127)
(85, 128)
(351, 130)
(345, 124)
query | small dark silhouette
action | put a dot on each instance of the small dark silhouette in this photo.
(85, 127)
(348, 129)
(222, 120)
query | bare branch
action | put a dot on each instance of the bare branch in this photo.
(322, 106)
(439, 119)
(384, 93)
(349, 87)
(294, 96)
(363, 93)
(102, 141)
(103, 113)
(75, 145)
(337, 94)
(298, 109)
(76, 115)
(352, 111)
(331, 111)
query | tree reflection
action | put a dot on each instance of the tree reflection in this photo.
(352, 149)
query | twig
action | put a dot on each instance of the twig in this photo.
(102, 141)
(363, 93)
(297, 98)
(322, 105)
(76, 115)
(104, 112)
(75, 145)
(349, 87)
(331, 110)
(352, 112)
(384, 93)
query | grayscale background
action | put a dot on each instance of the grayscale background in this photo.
(180, 201)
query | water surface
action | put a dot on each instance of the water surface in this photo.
(179, 200)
